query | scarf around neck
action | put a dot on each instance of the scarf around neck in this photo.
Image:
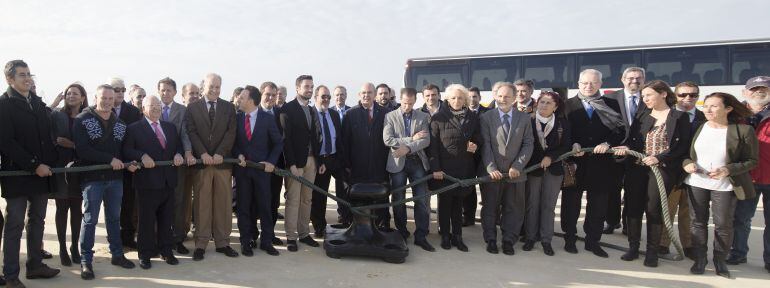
(609, 117)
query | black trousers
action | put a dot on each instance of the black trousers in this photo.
(276, 185)
(156, 216)
(504, 201)
(33, 206)
(450, 211)
(318, 203)
(254, 199)
(614, 196)
(592, 178)
(128, 219)
(470, 204)
(642, 194)
(722, 204)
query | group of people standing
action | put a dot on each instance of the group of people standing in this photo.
(707, 160)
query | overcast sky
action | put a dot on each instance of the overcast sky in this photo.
(343, 42)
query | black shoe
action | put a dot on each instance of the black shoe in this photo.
(735, 260)
(280, 216)
(181, 249)
(457, 241)
(75, 254)
(277, 241)
(170, 259)
(528, 245)
(651, 257)
(15, 283)
(2, 280)
(508, 248)
(570, 247)
(492, 247)
(309, 241)
(720, 267)
(253, 244)
(699, 266)
(469, 222)
(228, 251)
(608, 229)
(404, 234)
(291, 245)
(87, 272)
(145, 263)
(597, 250)
(247, 251)
(269, 249)
(423, 243)
(198, 254)
(632, 253)
(45, 254)
(42, 272)
(122, 262)
(65, 257)
(446, 242)
(319, 234)
(547, 249)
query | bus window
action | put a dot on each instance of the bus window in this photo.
(611, 65)
(550, 71)
(750, 60)
(441, 76)
(704, 66)
(486, 71)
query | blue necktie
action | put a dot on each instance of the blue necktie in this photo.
(632, 107)
(590, 111)
(165, 113)
(506, 125)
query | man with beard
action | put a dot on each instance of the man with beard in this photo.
(596, 122)
(757, 94)
(383, 96)
(299, 122)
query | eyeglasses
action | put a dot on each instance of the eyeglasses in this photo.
(119, 89)
(25, 75)
(691, 95)
(326, 96)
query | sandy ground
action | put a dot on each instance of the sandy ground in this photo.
(311, 268)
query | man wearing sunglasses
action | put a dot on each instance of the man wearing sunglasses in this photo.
(128, 114)
(687, 94)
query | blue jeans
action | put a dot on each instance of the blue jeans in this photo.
(744, 211)
(412, 171)
(94, 192)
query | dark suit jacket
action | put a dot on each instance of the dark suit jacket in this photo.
(212, 138)
(620, 97)
(366, 154)
(339, 144)
(556, 145)
(265, 145)
(275, 112)
(140, 140)
(742, 154)
(448, 150)
(297, 135)
(677, 134)
(341, 115)
(129, 114)
(25, 143)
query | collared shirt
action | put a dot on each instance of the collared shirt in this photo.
(629, 98)
(690, 113)
(209, 105)
(501, 113)
(252, 119)
(407, 122)
(332, 132)
(159, 127)
(117, 109)
(587, 106)
(519, 106)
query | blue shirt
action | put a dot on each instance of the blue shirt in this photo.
(331, 131)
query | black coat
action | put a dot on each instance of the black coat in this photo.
(297, 135)
(365, 152)
(448, 150)
(140, 140)
(67, 184)
(129, 114)
(557, 145)
(25, 143)
(678, 135)
(339, 144)
(95, 143)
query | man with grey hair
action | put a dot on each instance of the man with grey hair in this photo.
(596, 122)
(190, 93)
(137, 94)
(340, 96)
(128, 114)
(281, 96)
(629, 99)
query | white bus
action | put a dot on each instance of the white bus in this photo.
(716, 66)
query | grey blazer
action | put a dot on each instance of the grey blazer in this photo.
(395, 136)
(177, 117)
(499, 153)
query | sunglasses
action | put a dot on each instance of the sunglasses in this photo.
(326, 96)
(691, 95)
(119, 89)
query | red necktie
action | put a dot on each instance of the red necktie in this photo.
(248, 126)
(369, 113)
(159, 134)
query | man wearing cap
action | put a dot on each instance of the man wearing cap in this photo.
(757, 95)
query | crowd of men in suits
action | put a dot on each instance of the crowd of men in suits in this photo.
(317, 136)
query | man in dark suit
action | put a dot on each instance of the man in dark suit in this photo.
(173, 112)
(269, 92)
(151, 140)
(524, 90)
(365, 152)
(211, 127)
(470, 203)
(329, 159)
(596, 122)
(128, 114)
(629, 99)
(259, 140)
(340, 96)
(301, 137)
(687, 94)
(24, 145)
